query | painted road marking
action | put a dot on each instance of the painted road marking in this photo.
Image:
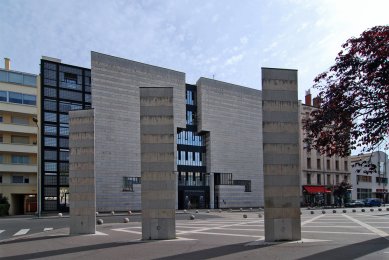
(21, 232)
(367, 226)
(127, 230)
(47, 229)
(1, 231)
(311, 220)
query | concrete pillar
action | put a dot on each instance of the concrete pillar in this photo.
(211, 191)
(281, 155)
(81, 173)
(159, 187)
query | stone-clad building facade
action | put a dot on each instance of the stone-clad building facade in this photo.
(214, 127)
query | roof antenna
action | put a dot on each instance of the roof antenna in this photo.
(213, 76)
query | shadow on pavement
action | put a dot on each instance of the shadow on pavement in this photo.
(23, 240)
(214, 252)
(352, 251)
(68, 250)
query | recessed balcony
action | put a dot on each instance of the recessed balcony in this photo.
(25, 129)
(22, 168)
(18, 148)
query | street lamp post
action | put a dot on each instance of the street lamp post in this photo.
(39, 206)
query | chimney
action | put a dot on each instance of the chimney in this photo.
(317, 102)
(7, 63)
(308, 98)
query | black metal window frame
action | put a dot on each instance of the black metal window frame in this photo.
(56, 101)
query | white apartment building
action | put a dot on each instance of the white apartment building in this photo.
(319, 173)
(370, 184)
(18, 139)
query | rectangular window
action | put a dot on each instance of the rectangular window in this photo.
(20, 139)
(328, 179)
(337, 179)
(363, 178)
(309, 163)
(308, 178)
(345, 165)
(128, 183)
(19, 120)
(328, 165)
(363, 193)
(15, 97)
(3, 76)
(29, 99)
(3, 96)
(1, 118)
(17, 179)
(50, 117)
(318, 179)
(50, 166)
(50, 155)
(337, 165)
(20, 159)
(50, 130)
(1, 158)
(318, 163)
(29, 80)
(50, 141)
(15, 77)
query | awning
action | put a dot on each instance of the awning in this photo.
(316, 189)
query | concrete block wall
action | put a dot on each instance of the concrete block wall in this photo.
(281, 147)
(233, 196)
(233, 116)
(116, 99)
(81, 173)
(159, 186)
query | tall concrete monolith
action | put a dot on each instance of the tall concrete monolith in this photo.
(81, 173)
(157, 163)
(281, 155)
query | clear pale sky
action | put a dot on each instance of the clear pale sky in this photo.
(228, 40)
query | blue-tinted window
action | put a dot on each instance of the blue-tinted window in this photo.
(50, 117)
(50, 130)
(19, 159)
(17, 179)
(50, 166)
(15, 77)
(3, 76)
(64, 118)
(3, 96)
(29, 80)
(29, 99)
(15, 97)
(64, 131)
(50, 141)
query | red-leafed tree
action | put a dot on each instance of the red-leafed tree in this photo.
(354, 97)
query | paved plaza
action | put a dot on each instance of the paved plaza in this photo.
(216, 235)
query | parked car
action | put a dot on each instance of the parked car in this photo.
(354, 204)
(371, 202)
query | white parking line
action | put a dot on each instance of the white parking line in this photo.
(1, 231)
(367, 226)
(21, 232)
(311, 220)
(47, 229)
